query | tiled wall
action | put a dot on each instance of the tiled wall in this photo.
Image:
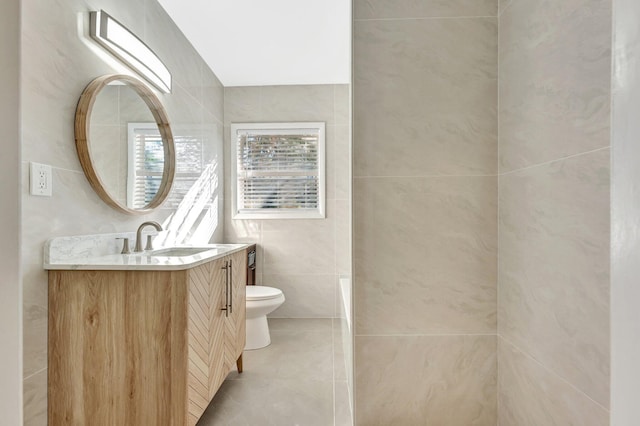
(303, 257)
(425, 211)
(10, 312)
(58, 62)
(555, 61)
(625, 216)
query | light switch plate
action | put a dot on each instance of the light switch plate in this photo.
(41, 179)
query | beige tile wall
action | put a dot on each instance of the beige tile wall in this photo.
(426, 380)
(57, 64)
(554, 234)
(530, 395)
(425, 211)
(303, 257)
(625, 215)
(10, 193)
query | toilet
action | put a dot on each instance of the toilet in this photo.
(261, 301)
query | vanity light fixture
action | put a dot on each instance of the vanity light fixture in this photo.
(127, 47)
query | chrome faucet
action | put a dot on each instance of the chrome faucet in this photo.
(149, 237)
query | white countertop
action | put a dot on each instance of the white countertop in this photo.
(144, 261)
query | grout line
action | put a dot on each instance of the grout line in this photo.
(426, 335)
(423, 176)
(505, 8)
(557, 160)
(34, 374)
(613, 194)
(333, 368)
(498, 225)
(552, 372)
(424, 18)
(191, 95)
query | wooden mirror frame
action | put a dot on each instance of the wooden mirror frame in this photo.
(82, 127)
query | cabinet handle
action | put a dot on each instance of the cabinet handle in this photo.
(230, 286)
(226, 289)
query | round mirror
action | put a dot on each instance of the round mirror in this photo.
(124, 143)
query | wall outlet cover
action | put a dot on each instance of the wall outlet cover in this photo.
(41, 179)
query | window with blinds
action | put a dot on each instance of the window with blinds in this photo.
(146, 163)
(278, 170)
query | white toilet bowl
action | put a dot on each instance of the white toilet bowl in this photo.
(261, 301)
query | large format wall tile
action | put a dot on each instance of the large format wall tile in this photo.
(426, 97)
(554, 268)
(241, 105)
(342, 407)
(342, 163)
(35, 400)
(34, 314)
(307, 296)
(343, 237)
(381, 9)
(425, 255)
(625, 216)
(531, 395)
(341, 104)
(213, 94)
(555, 63)
(300, 251)
(298, 103)
(502, 6)
(426, 380)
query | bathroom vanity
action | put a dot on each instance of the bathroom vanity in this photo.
(144, 339)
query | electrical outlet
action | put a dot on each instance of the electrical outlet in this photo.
(41, 179)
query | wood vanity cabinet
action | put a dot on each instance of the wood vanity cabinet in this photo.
(143, 347)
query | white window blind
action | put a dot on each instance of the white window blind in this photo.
(279, 170)
(146, 163)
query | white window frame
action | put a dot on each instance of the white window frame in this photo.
(271, 213)
(132, 174)
(175, 197)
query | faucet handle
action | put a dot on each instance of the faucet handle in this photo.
(125, 245)
(149, 242)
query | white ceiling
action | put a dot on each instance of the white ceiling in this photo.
(274, 42)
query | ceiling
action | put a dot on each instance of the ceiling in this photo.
(275, 42)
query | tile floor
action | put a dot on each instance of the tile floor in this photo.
(299, 380)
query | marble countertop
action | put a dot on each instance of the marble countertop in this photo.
(144, 261)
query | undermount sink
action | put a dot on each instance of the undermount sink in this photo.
(178, 251)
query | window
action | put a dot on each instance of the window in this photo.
(278, 170)
(146, 165)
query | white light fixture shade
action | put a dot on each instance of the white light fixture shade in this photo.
(127, 47)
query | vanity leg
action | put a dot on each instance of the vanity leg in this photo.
(239, 364)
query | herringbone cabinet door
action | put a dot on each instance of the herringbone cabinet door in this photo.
(199, 338)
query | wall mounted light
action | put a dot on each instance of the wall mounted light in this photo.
(127, 47)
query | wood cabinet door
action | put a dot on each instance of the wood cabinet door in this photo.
(117, 348)
(207, 369)
(239, 300)
(217, 369)
(199, 338)
(235, 334)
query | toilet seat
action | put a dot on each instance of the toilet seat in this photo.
(259, 292)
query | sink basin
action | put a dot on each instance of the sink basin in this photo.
(178, 251)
